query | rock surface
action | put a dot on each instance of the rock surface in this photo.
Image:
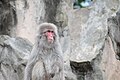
(13, 53)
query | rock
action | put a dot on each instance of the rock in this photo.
(88, 32)
(8, 18)
(12, 57)
(109, 64)
(114, 30)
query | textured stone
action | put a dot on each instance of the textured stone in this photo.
(114, 33)
(13, 57)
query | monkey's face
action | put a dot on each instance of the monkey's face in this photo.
(50, 36)
(47, 35)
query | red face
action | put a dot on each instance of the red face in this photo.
(50, 36)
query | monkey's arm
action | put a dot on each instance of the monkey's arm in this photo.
(57, 68)
(58, 60)
(29, 67)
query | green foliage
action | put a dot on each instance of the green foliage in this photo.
(82, 3)
(112, 9)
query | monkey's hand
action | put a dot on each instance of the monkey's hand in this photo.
(55, 68)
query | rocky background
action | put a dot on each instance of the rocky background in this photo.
(90, 37)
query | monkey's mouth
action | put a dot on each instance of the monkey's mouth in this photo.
(50, 41)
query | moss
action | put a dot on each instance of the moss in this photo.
(112, 9)
(82, 4)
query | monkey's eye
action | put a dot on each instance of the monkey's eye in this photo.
(48, 31)
(52, 31)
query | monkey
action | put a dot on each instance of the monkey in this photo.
(46, 59)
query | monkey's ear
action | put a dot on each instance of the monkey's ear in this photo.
(38, 36)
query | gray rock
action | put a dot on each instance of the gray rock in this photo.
(114, 33)
(12, 57)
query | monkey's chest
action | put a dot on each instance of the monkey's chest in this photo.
(43, 66)
(49, 61)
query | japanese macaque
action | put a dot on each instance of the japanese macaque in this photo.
(46, 60)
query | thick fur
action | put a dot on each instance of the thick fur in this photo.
(46, 60)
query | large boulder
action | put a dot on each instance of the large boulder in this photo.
(13, 57)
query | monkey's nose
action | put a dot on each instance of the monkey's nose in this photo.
(50, 35)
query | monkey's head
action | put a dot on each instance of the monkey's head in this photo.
(48, 33)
